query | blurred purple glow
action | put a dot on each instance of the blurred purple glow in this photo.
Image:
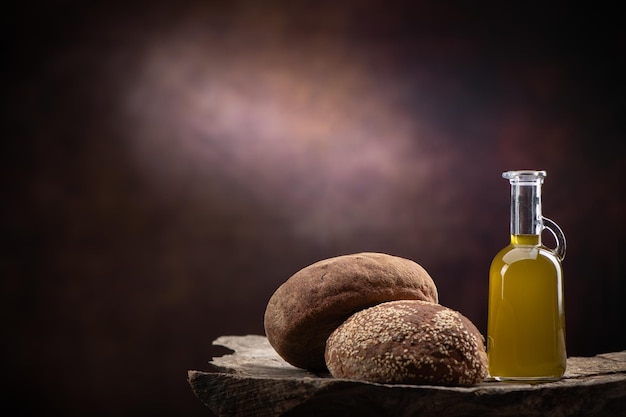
(309, 132)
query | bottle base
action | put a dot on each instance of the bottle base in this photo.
(525, 379)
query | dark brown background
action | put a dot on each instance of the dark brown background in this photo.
(166, 167)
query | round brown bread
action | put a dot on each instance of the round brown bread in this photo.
(313, 302)
(408, 342)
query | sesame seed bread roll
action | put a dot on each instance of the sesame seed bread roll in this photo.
(408, 342)
(313, 302)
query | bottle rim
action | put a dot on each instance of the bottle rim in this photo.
(524, 175)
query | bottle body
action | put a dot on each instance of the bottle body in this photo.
(526, 324)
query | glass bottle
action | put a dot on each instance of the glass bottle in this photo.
(526, 318)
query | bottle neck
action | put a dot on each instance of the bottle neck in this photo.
(526, 218)
(526, 240)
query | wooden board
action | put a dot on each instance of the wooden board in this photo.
(255, 381)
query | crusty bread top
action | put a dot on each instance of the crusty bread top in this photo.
(306, 308)
(408, 341)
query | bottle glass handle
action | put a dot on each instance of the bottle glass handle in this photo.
(558, 236)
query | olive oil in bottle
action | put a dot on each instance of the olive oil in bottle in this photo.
(526, 320)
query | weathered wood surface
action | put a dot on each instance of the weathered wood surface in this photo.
(255, 381)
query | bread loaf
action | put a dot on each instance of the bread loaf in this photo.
(312, 303)
(408, 342)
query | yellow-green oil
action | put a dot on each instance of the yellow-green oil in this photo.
(526, 322)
